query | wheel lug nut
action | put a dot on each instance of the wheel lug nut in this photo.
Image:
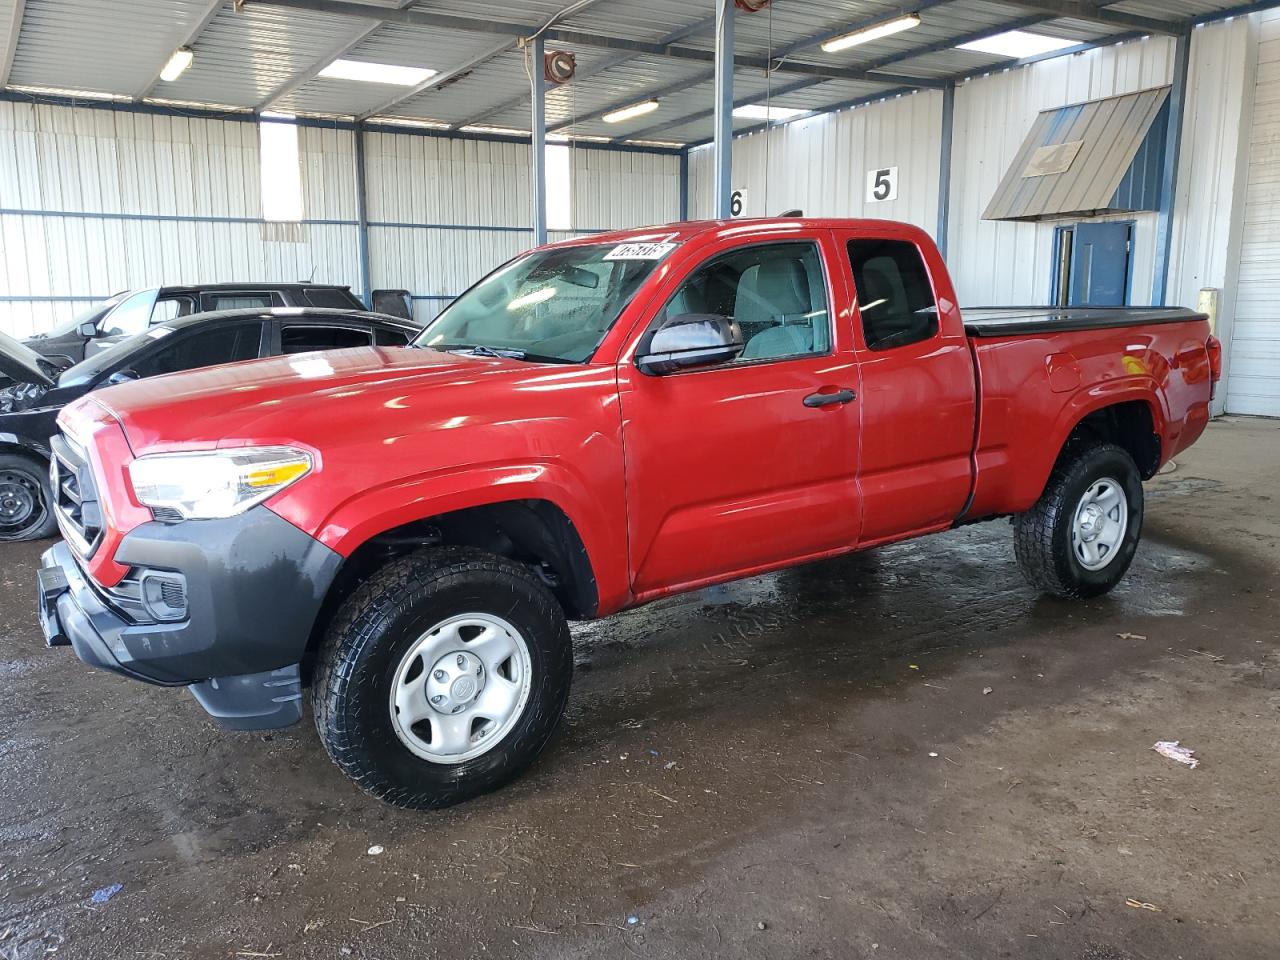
(457, 708)
(462, 662)
(437, 699)
(441, 676)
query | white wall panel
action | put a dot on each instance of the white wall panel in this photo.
(820, 165)
(445, 212)
(1012, 263)
(614, 190)
(98, 201)
(94, 201)
(1253, 341)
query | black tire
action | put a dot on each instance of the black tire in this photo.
(1042, 535)
(374, 630)
(26, 500)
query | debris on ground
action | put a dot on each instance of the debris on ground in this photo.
(106, 893)
(932, 753)
(1142, 905)
(377, 850)
(1130, 636)
(632, 921)
(987, 690)
(762, 925)
(1170, 749)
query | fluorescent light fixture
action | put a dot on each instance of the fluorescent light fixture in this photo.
(655, 143)
(414, 122)
(366, 72)
(758, 111)
(835, 45)
(499, 131)
(1018, 44)
(177, 64)
(631, 112)
(67, 92)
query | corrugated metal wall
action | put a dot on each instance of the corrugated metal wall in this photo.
(1253, 341)
(1213, 176)
(93, 201)
(1012, 263)
(444, 212)
(820, 165)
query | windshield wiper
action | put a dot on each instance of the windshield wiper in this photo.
(502, 353)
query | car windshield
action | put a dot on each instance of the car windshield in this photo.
(91, 368)
(551, 306)
(90, 314)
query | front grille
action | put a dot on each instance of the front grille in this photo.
(76, 496)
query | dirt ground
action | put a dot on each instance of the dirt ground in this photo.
(902, 754)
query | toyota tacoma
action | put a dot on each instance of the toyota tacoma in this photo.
(596, 424)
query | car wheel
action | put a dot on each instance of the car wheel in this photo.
(26, 500)
(1080, 537)
(442, 677)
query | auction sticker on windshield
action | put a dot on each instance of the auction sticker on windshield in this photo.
(640, 251)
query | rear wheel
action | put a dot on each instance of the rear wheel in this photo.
(1080, 537)
(442, 677)
(26, 501)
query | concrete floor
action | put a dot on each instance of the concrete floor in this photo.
(805, 764)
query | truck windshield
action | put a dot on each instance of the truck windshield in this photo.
(552, 306)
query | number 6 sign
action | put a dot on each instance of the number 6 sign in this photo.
(882, 185)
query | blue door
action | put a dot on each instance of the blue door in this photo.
(1100, 265)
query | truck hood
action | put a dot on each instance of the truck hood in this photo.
(309, 398)
(21, 364)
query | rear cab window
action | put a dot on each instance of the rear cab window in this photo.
(895, 297)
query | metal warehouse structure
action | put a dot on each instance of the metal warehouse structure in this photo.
(112, 177)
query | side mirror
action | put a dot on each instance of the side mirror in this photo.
(122, 376)
(88, 330)
(690, 340)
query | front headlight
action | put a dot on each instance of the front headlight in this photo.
(216, 483)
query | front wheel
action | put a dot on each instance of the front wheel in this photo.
(442, 677)
(1080, 537)
(26, 501)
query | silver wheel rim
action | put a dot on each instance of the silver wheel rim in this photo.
(1101, 522)
(460, 688)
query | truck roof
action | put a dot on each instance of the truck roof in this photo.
(683, 231)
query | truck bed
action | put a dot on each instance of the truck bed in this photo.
(1014, 321)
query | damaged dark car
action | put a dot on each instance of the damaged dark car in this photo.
(34, 388)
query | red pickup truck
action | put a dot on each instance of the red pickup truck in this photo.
(594, 425)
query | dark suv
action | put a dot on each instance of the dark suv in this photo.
(133, 311)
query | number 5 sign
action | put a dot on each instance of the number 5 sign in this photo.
(882, 185)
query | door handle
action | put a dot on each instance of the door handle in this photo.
(830, 399)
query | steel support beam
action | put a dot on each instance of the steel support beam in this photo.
(1097, 13)
(211, 11)
(362, 217)
(538, 95)
(723, 163)
(684, 185)
(595, 69)
(10, 49)
(418, 17)
(882, 62)
(946, 140)
(1172, 158)
(306, 76)
(580, 6)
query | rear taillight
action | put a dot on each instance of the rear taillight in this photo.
(1214, 346)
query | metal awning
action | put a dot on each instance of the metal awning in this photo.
(1105, 156)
